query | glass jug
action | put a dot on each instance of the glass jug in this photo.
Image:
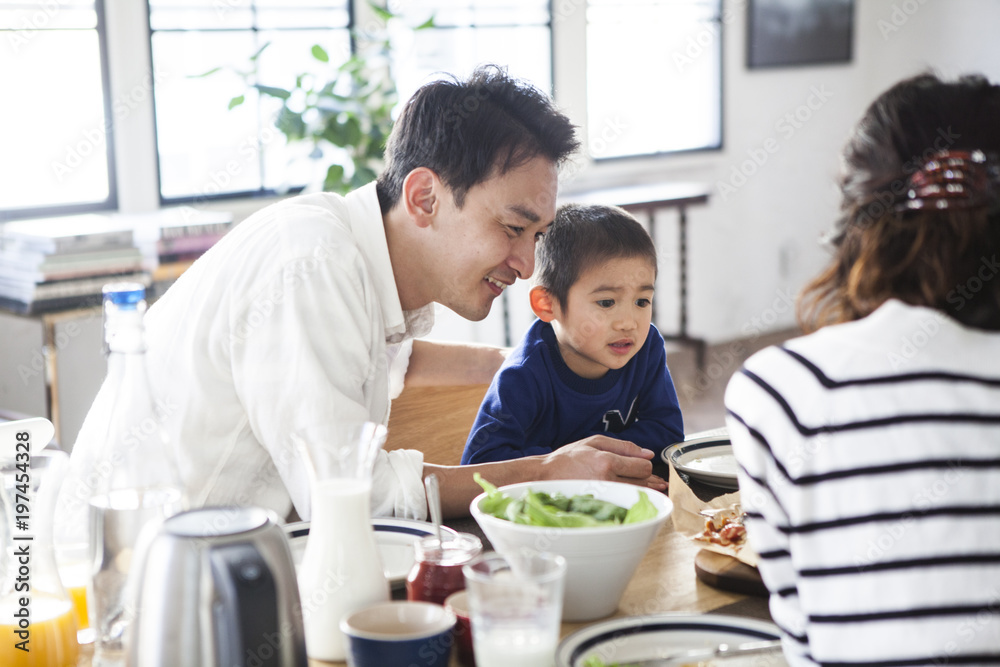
(37, 620)
(341, 571)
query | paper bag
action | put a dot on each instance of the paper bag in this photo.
(690, 522)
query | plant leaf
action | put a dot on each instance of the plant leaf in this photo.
(429, 23)
(320, 54)
(236, 101)
(362, 176)
(290, 124)
(382, 11)
(280, 93)
(259, 51)
(204, 74)
(334, 181)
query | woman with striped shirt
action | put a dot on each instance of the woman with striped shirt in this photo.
(870, 448)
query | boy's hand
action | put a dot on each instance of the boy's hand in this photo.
(601, 457)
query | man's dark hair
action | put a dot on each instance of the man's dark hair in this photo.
(582, 237)
(467, 131)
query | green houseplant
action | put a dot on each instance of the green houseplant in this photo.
(347, 115)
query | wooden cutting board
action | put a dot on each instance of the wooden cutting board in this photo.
(725, 572)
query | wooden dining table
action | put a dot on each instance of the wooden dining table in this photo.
(665, 580)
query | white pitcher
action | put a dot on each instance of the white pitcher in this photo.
(341, 571)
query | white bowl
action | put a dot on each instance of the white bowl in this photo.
(599, 561)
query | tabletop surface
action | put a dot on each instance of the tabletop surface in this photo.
(664, 582)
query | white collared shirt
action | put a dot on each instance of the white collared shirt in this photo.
(291, 321)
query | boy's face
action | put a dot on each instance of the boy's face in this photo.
(489, 242)
(606, 316)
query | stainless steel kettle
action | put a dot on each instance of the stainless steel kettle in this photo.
(216, 587)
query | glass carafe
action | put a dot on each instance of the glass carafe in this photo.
(341, 570)
(37, 620)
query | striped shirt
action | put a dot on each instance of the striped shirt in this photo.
(870, 471)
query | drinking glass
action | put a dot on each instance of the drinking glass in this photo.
(516, 607)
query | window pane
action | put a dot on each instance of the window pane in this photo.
(630, 113)
(197, 137)
(512, 33)
(205, 149)
(55, 136)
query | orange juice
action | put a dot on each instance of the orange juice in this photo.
(51, 638)
(75, 574)
(78, 594)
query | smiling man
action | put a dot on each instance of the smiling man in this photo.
(303, 316)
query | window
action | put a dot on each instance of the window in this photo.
(466, 33)
(204, 148)
(55, 128)
(654, 77)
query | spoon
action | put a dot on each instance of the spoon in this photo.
(434, 502)
(718, 654)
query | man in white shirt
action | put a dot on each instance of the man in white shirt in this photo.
(297, 317)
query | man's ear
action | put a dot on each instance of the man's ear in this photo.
(420, 195)
(542, 303)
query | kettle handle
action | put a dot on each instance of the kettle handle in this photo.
(245, 610)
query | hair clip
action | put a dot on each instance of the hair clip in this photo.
(953, 180)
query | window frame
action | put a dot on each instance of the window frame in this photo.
(252, 195)
(110, 203)
(720, 21)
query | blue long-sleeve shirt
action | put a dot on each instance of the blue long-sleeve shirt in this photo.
(536, 404)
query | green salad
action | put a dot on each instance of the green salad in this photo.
(537, 508)
(594, 661)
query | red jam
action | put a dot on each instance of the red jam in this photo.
(437, 570)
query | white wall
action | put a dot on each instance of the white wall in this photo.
(752, 248)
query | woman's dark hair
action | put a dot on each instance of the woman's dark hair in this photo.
(582, 237)
(942, 258)
(465, 131)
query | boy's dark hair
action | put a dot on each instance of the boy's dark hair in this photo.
(582, 237)
(464, 130)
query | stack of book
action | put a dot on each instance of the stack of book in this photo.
(59, 263)
(172, 239)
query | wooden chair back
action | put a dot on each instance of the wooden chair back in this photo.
(436, 420)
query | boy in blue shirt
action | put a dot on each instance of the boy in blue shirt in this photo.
(592, 363)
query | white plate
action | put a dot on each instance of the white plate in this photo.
(623, 640)
(706, 457)
(393, 537)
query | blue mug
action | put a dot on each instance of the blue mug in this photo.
(399, 633)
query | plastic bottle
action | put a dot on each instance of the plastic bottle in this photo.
(137, 481)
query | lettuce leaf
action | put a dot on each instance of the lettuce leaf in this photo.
(495, 502)
(537, 508)
(642, 510)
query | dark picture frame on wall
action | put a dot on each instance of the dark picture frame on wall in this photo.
(786, 33)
